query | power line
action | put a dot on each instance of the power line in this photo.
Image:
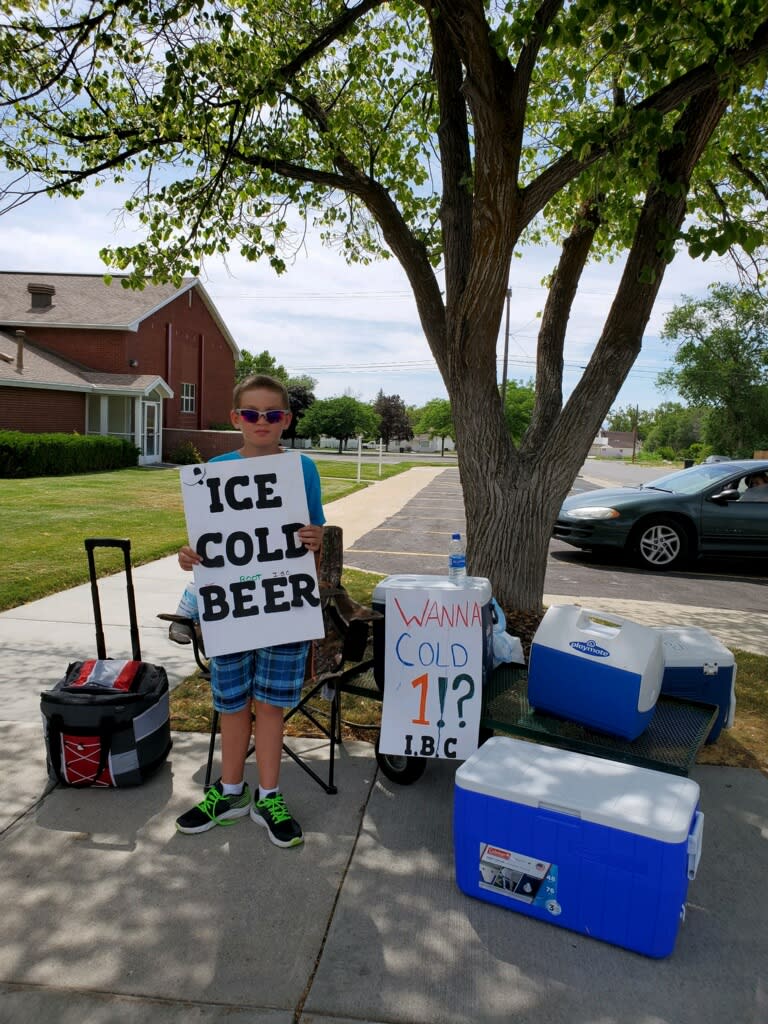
(416, 365)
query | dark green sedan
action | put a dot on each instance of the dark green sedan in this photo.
(718, 508)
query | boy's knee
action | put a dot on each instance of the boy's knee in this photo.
(268, 710)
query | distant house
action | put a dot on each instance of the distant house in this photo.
(78, 355)
(617, 444)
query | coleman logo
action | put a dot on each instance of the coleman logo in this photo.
(590, 647)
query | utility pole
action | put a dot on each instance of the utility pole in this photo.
(506, 355)
(634, 431)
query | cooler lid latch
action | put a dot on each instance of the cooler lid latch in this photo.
(694, 844)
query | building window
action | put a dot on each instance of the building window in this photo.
(187, 397)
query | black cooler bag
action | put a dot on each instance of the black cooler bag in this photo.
(107, 722)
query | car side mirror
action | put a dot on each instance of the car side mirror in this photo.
(731, 494)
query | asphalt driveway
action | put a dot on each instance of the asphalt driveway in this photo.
(415, 540)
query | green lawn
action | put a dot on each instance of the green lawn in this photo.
(45, 520)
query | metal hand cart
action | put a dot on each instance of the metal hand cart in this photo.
(671, 742)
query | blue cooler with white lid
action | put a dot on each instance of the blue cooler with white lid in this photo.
(595, 668)
(697, 666)
(591, 845)
(474, 589)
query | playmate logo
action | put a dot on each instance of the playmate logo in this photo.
(591, 647)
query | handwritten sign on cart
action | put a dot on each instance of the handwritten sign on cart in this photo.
(432, 673)
(257, 585)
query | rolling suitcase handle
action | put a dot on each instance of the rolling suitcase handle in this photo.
(125, 545)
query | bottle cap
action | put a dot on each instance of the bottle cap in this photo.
(455, 536)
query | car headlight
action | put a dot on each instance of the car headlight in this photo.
(592, 512)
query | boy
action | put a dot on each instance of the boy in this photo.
(271, 677)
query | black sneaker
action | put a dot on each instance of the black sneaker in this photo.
(272, 813)
(215, 809)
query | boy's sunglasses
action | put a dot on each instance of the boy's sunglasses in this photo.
(271, 415)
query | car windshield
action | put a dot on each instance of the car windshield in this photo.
(690, 481)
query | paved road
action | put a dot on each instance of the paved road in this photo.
(415, 539)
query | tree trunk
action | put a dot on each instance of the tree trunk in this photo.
(510, 500)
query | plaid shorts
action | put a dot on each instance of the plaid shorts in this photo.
(272, 675)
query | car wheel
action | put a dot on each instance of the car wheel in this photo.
(400, 769)
(661, 544)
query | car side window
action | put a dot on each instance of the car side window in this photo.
(755, 492)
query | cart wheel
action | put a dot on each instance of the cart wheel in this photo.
(400, 769)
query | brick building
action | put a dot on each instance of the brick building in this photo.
(78, 355)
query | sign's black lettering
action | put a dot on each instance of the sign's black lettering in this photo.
(214, 600)
(243, 595)
(274, 589)
(211, 561)
(264, 554)
(303, 590)
(238, 504)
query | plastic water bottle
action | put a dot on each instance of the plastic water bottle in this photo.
(457, 559)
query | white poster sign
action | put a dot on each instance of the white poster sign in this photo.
(432, 673)
(257, 585)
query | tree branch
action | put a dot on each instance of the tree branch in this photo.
(700, 79)
(455, 158)
(652, 249)
(409, 250)
(557, 310)
(754, 180)
(82, 29)
(333, 31)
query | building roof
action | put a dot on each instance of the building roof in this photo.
(43, 369)
(85, 301)
(621, 438)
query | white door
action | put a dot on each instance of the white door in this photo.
(150, 447)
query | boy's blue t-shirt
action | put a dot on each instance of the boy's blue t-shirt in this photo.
(311, 485)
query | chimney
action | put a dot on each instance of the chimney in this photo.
(20, 336)
(42, 295)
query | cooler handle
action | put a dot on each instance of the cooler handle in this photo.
(695, 844)
(588, 615)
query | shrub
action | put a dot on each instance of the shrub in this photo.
(185, 454)
(27, 455)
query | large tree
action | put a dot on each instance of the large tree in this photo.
(721, 363)
(444, 132)
(675, 427)
(435, 419)
(394, 423)
(343, 417)
(519, 403)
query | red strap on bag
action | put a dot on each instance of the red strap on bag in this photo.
(111, 675)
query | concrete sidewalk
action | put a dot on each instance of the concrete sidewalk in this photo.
(111, 917)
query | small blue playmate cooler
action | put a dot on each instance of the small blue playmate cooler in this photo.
(698, 667)
(601, 670)
(592, 845)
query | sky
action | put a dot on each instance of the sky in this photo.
(355, 329)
